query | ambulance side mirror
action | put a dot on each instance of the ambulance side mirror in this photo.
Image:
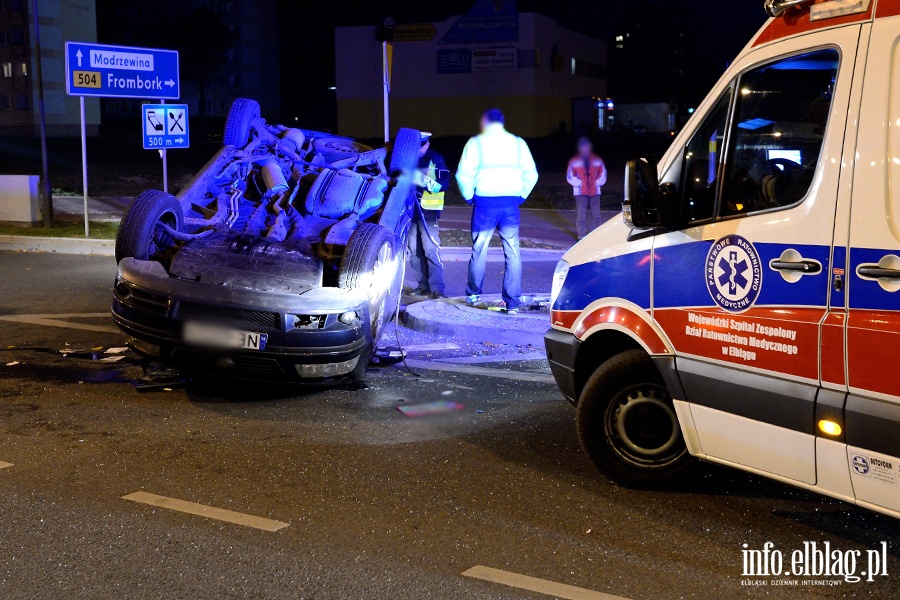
(641, 206)
(646, 206)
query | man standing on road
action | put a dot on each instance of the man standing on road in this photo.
(424, 234)
(586, 174)
(496, 174)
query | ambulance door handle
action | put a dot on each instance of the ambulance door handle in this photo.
(876, 272)
(807, 267)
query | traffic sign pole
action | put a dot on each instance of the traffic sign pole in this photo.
(165, 162)
(84, 179)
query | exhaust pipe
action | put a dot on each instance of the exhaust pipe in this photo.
(776, 8)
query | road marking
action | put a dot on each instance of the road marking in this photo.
(201, 510)
(533, 584)
(430, 347)
(494, 358)
(3, 465)
(427, 365)
(55, 321)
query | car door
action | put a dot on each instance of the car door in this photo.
(743, 290)
(872, 418)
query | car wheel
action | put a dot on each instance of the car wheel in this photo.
(240, 117)
(143, 230)
(627, 424)
(334, 149)
(370, 263)
(405, 152)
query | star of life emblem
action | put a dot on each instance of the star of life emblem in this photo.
(733, 273)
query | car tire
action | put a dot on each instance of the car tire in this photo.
(369, 259)
(140, 233)
(335, 149)
(237, 126)
(405, 152)
(628, 427)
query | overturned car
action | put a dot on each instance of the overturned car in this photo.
(282, 259)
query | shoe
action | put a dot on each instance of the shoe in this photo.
(438, 295)
(473, 300)
(512, 311)
(419, 293)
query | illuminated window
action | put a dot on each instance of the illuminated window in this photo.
(7, 69)
(23, 69)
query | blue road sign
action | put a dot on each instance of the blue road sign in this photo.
(121, 72)
(166, 126)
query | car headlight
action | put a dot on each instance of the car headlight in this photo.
(559, 278)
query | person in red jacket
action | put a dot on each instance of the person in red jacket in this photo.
(586, 174)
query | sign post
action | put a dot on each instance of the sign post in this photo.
(104, 71)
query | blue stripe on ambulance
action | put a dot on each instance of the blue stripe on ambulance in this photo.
(867, 293)
(626, 276)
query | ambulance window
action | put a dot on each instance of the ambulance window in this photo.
(701, 164)
(777, 133)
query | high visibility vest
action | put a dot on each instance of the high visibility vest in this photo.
(432, 200)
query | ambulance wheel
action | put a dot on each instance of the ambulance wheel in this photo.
(405, 153)
(628, 427)
(240, 117)
(144, 230)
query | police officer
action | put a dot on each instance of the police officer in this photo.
(424, 233)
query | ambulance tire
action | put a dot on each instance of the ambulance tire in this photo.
(628, 427)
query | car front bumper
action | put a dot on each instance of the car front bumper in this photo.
(562, 348)
(306, 338)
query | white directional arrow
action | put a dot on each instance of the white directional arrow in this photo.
(79, 56)
(169, 83)
(179, 140)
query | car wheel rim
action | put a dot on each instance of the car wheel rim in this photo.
(642, 428)
(161, 240)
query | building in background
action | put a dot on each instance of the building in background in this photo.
(250, 66)
(60, 20)
(446, 74)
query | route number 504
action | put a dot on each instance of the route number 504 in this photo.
(86, 79)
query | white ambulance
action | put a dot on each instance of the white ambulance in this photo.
(746, 309)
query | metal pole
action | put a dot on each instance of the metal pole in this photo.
(84, 179)
(46, 188)
(164, 155)
(387, 93)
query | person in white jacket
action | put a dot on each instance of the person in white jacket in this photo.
(496, 175)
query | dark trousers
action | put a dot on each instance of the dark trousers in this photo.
(425, 254)
(485, 220)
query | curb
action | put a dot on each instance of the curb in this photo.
(460, 254)
(451, 317)
(27, 243)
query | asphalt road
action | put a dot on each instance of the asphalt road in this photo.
(376, 504)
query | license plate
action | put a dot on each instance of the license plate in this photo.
(204, 334)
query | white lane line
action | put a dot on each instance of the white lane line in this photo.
(201, 510)
(533, 584)
(430, 347)
(427, 365)
(3, 465)
(494, 358)
(53, 321)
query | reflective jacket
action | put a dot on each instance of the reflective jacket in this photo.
(438, 177)
(586, 176)
(496, 164)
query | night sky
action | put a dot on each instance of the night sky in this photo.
(710, 34)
